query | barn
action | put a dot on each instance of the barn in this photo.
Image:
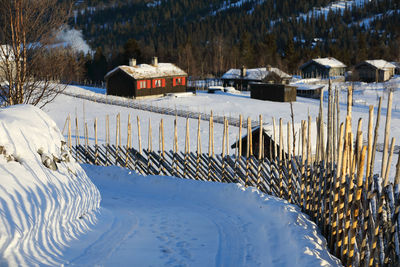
(144, 80)
(324, 68)
(378, 70)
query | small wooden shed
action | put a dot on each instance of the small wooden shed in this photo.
(146, 80)
(378, 70)
(267, 147)
(273, 92)
(310, 90)
(269, 140)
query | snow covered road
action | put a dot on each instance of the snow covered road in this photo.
(163, 221)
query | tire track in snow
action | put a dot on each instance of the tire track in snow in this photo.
(121, 229)
(174, 228)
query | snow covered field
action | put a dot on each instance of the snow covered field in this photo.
(50, 212)
(224, 104)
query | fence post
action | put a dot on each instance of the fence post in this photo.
(260, 152)
(357, 204)
(387, 132)
(249, 151)
(116, 139)
(210, 146)
(96, 155)
(223, 178)
(289, 166)
(69, 133)
(107, 139)
(198, 149)
(77, 141)
(187, 150)
(175, 148)
(378, 117)
(281, 153)
(149, 148)
(335, 204)
(128, 141)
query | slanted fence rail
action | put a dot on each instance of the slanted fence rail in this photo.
(355, 207)
(137, 104)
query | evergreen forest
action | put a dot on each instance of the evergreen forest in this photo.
(207, 37)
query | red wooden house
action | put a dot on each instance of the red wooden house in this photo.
(146, 80)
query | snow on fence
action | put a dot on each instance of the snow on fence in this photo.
(356, 209)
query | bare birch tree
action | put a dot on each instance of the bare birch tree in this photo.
(29, 65)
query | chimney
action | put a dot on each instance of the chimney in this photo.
(132, 62)
(269, 68)
(243, 71)
(155, 61)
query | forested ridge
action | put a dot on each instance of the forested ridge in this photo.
(210, 36)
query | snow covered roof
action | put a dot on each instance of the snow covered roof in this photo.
(254, 74)
(307, 87)
(328, 62)
(380, 64)
(143, 71)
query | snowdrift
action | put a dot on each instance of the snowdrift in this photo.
(46, 199)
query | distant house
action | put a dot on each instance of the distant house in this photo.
(273, 92)
(146, 80)
(324, 68)
(378, 70)
(241, 78)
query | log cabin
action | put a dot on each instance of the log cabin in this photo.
(138, 81)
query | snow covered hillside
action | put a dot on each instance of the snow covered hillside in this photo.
(46, 199)
(164, 221)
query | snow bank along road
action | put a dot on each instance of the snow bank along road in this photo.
(41, 209)
(164, 221)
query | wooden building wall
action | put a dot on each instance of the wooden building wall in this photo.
(368, 73)
(314, 70)
(273, 92)
(122, 84)
(315, 93)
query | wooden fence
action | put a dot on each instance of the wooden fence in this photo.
(355, 207)
(137, 104)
